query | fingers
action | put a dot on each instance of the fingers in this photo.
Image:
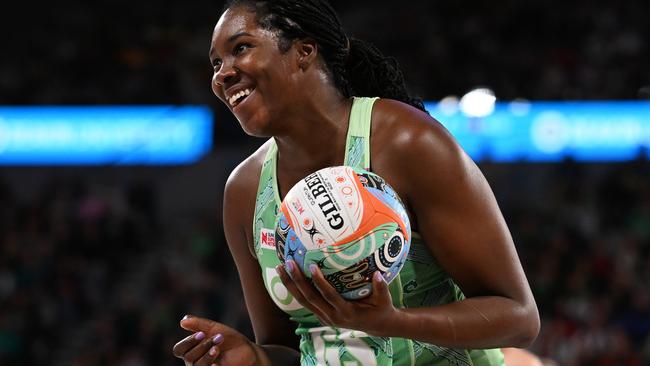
(206, 353)
(380, 288)
(209, 358)
(379, 284)
(303, 291)
(328, 292)
(187, 343)
(199, 350)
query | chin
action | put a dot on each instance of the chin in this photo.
(256, 127)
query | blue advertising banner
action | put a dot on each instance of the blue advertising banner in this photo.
(118, 135)
(552, 131)
(594, 131)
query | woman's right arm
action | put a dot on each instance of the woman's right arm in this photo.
(272, 327)
(275, 340)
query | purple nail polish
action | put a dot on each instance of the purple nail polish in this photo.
(198, 336)
(290, 266)
(213, 351)
(313, 268)
(217, 339)
(379, 277)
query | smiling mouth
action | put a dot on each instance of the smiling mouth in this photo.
(239, 97)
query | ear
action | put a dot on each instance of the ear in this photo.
(306, 53)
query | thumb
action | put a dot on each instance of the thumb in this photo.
(380, 287)
(195, 324)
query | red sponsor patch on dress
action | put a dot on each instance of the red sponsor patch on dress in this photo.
(267, 239)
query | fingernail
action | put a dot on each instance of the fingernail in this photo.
(290, 266)
(213, 351)
(217, 339)
(277, 268)
(186, 317)
(378, 276)
(313, 268)
(198, 336)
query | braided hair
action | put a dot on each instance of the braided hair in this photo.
(357, 67)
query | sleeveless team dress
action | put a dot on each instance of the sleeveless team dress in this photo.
(421, 282)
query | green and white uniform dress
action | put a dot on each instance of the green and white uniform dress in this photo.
(421, 282)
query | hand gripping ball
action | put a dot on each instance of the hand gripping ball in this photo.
(347, 221)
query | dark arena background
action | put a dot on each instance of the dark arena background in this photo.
(109, 236)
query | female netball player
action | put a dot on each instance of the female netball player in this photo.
(287, 71)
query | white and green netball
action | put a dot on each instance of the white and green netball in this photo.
(347, 221)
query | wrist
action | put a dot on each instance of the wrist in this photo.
(388, 325)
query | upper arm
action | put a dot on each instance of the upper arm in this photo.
(456, 211)
(270, 324)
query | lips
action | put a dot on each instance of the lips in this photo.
(236, 98)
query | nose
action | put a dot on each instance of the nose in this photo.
(225, 74)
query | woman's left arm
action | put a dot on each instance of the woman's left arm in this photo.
(459, 219)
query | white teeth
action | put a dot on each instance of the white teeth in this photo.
(233, 99)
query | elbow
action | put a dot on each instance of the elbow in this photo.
(530, 328)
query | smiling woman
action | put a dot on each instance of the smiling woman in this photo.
(287, 71)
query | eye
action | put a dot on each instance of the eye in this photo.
(241, 47)
(216, 64)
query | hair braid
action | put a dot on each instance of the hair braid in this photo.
(357, 68)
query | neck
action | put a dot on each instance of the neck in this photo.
(319, 120)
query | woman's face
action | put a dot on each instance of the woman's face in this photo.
(251, 76)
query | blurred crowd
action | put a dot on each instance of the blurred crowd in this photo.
(583, 233)
(90, 274)
(79, 52)
(63, 254)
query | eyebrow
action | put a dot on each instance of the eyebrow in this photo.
(232, 38)
(237, 35)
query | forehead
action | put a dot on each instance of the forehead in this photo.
(238, 20)
(234, 20)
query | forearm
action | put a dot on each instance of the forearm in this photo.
(474, 323)
(276, 355)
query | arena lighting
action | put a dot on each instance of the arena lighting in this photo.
(519, 107)
(478, 103)
(448, 105)
(106, 135)
(524, 131)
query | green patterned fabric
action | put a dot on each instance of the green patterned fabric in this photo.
(421, 282)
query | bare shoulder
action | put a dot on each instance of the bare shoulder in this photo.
(240, 194)
(244, 179)
(408, 139)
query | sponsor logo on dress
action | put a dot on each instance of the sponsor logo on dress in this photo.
(268, 239)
